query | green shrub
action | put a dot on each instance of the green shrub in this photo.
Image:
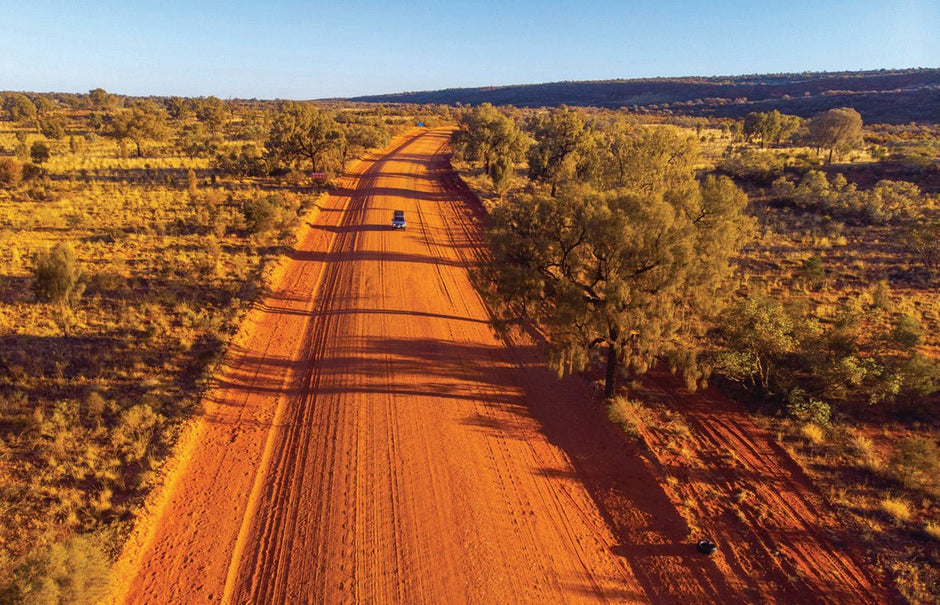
(31, 171)
(881, 295)
(907, 332)
(921, 376)
(262, 215)
(247, 161)
(807, 409)
(915, 463)
(812, 271)
(11, 173)
(39, 152)
(52, 127)
(57, 276)
(760, 168)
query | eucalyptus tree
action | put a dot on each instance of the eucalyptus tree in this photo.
(836, 130)
(143, 121)
(633, 270)
(559, 136)
(303, 133)
(493, 139)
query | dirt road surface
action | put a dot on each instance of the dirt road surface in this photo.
(371, 440)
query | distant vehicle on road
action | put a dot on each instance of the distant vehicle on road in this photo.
(398, 220)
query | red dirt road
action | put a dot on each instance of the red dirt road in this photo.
(371, 440)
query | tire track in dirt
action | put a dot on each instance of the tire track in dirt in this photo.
(417, 336)
(779, 540)
(389, 448)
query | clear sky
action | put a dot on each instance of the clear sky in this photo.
(303, 50)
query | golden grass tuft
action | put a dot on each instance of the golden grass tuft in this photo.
(632, 416)
(895, 508)
(813, 433)
(932, 529)
(868, 456)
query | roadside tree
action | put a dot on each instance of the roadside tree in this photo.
(633, 270)
(559, 136)
(304, 133)
(490, 137)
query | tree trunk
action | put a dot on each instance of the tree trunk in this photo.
(139, 153)
(611, 378)
(830, 155)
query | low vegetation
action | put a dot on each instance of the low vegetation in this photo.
(134, 232)
(829, 330)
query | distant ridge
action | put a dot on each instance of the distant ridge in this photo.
(891, 96)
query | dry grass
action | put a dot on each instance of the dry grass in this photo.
(896, 509)
(813, 433)
(932, 529)
(631, 415)
(87, 417)
(868, 456)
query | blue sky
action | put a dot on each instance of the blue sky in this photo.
(304, 50)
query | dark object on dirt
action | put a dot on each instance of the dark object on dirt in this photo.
(706, 547)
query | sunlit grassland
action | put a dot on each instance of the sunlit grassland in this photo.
(93, 396)
(824, 262)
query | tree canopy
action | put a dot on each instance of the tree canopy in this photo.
(632, 269)
(19, 108)
(559, 136)
(838, 130)
(487, 136)
(141, 122)
(771, 126)
(302, 132)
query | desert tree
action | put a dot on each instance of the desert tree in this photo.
(922, 237)
(11, 172)
(58, 278)
(19, 108)
(143, 121)
(559, 136)
(838, 130)
(179, 108)
(39, 152)
(102, 99)
(52, 127)
(45, 105)
(212, 112)
(303, 133)
(489, 137)
(359, 137)
(770, 126)
(634, 270)
(195, 141)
